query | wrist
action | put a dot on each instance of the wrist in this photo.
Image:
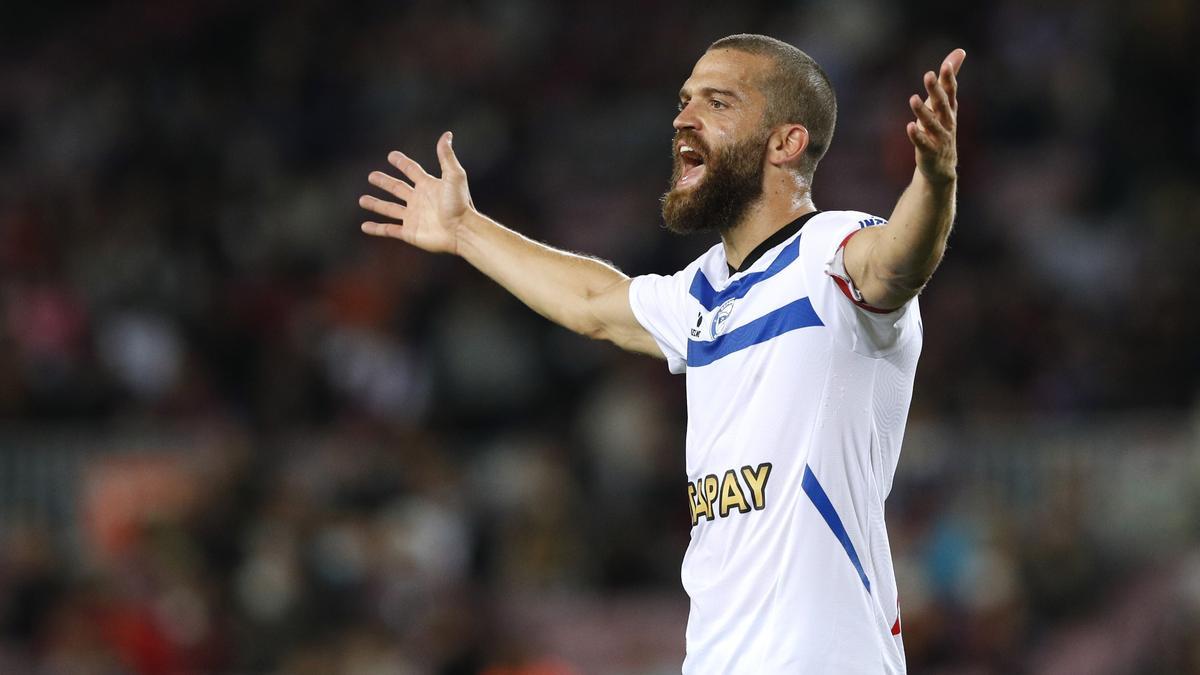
(471, 227)
(936, 181)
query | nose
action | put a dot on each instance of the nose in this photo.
(686, 119)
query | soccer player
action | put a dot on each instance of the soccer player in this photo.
(799, 333)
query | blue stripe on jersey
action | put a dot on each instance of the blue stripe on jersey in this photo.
(821, 500)
(798, 314)
(703, 291)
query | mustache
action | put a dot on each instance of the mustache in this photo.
(692, 139)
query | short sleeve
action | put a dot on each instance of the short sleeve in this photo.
(660, 304)
(866, 330)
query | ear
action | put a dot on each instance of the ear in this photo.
(787, 144)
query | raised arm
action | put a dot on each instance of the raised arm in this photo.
(583, 294)
(890, 264)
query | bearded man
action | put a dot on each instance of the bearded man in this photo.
(799, 333)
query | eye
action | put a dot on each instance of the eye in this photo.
(717, 104)
(680, 106)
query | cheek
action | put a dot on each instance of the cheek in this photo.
(725, 133)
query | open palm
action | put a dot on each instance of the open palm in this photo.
(933, 132)
(430, 210)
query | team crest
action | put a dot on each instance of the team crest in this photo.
(720, 321)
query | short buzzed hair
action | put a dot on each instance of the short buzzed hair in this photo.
(796, 89)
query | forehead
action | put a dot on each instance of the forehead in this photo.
(727, 69)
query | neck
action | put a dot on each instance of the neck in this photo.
(780, 204)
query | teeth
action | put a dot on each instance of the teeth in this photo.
(685, 148)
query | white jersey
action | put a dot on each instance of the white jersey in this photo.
(797, 398)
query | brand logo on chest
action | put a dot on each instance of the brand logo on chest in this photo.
(720, 320)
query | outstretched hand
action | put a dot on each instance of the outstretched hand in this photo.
(933, 132)
(430, 211)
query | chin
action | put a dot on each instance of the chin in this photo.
(676, 194)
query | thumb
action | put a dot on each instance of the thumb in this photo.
(446, 157)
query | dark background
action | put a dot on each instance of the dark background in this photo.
(236, 435)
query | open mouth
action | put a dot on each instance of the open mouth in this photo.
(693, 166)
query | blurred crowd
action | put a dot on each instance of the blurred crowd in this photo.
(391, 459)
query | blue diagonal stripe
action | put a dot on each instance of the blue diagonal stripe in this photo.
(798, 314)
(821, 500)
(703, 291)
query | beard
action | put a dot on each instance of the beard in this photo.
(732, 183)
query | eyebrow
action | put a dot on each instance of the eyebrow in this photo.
(709, 91)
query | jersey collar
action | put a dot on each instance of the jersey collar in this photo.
(780, 235)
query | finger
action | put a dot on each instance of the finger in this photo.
(919, 138)
(939, 102)
(395, 186)
(926, 119)
(407, 166)
(446, 157)
(383, 229)
(936, 99)
(389, 209)
(949, 82)
(955, 59)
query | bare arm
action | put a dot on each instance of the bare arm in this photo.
(583, 294)
(890, 264)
